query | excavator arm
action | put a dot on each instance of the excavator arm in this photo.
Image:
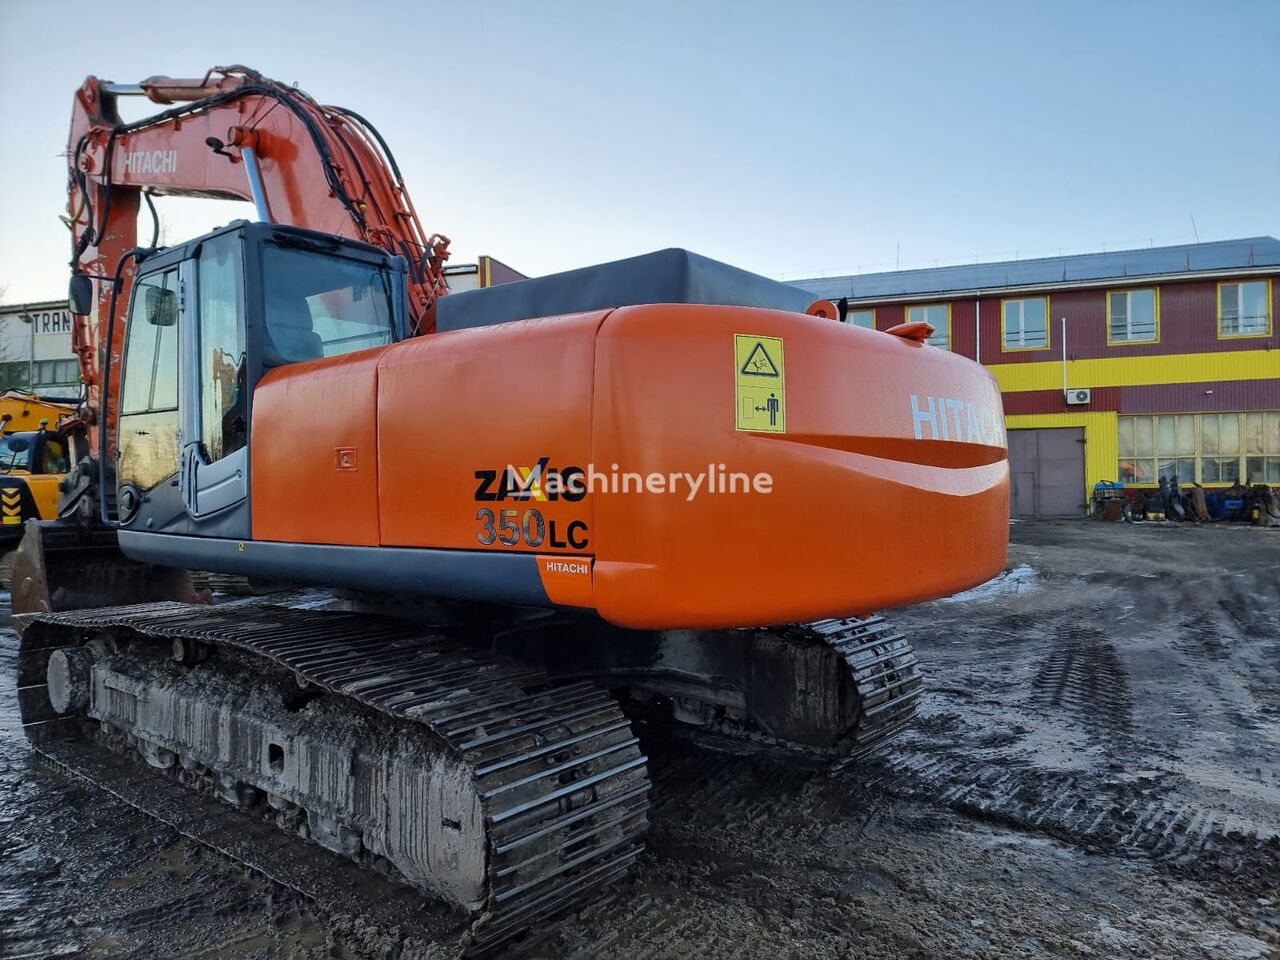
(233, 134)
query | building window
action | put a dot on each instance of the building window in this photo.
(57, 373)
(938, 314)
(1220, 448)
(1133, 316)
(1210, 448)
(1026, 323)
(861, 318)
(1262, 447)
(1244, 309)
(14, 375)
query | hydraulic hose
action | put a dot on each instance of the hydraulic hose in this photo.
(138, 254)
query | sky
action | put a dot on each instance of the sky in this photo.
(793, 139)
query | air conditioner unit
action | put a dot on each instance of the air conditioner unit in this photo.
(1079, 396)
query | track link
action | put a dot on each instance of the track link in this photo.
(562, 783)
(827, 692)
(885, 673)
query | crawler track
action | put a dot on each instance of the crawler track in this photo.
(882, 677)
(563, 786)
(885, 673)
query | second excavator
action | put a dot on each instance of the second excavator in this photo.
(661, 481)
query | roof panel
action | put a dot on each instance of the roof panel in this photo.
(1148, 262)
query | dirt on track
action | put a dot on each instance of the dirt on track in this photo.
(1096, 772)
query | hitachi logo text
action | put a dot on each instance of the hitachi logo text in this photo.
(562, 566)
(151, 161)
(944, 418)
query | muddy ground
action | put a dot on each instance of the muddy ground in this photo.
(1096, 772)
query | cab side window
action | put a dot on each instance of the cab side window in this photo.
(151, 357)
(223, 411)
(53, 455)
(148, 434)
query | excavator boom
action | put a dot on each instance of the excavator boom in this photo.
(234, 134)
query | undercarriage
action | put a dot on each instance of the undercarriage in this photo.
(480, 756)
(477, 780)
(825, 692)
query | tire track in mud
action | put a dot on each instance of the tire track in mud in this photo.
(1126, 815)
(1083, 680)
(697, 791)
(1217, 629)
(1083, 675)
(1248, 613)
(743, 837)
(1200, 637)
(1266, 690)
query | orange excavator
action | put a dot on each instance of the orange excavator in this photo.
(661, 483)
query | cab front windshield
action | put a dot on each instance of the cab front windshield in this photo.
(15, 451)
(317, 305)
(44, 452)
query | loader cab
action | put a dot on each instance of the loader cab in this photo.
(209, 319)
(37, 452)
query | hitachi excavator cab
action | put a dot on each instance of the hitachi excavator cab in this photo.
(207, 320)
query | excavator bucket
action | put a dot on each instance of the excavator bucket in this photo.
(62, 565)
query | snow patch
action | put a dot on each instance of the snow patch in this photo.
(1021, 579)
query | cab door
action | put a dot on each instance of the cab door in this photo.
(148, 427)
(214, 475)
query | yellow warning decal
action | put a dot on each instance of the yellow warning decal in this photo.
(761, 380)
(11, 506)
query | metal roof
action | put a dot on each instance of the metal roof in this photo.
(1088, 268)
(41, 306)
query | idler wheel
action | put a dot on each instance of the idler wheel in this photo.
(69, 676)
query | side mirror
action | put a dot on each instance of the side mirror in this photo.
(19, 445)
(80, 295)
(162, 307)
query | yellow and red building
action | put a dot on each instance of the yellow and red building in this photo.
(1129, 365)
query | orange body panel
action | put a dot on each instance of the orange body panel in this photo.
(567, 580)
(887, 482)
(482, 400)
(314, 456)
(862, 515)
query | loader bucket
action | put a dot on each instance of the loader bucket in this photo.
(62, 565)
